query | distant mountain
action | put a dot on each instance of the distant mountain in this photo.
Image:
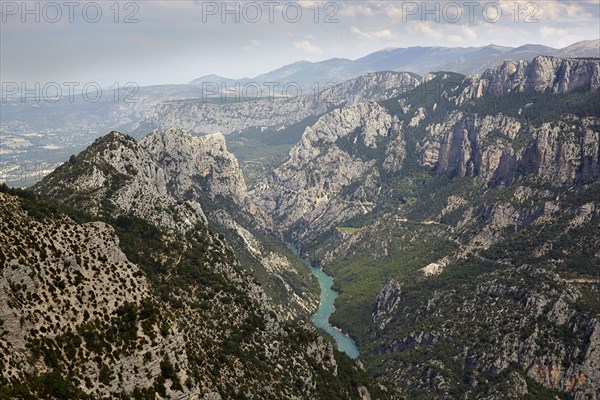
(304, 72)
(420, 60)
(212, 78)
(586, 48)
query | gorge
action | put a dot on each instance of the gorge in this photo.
(151, 268)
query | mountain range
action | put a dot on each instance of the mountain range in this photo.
(458, 216)
(419, 60)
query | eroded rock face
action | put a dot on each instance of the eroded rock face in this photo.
(332, 173)
(543, 73)
(370, 87)
(387, 301)
(537, 308)
(496, 149)
(322, 352)
(169, 170)
(178, 182)
(196, 163)
(118, 170)
(273, 112)
(341, 163)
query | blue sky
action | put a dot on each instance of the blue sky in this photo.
(177, 41)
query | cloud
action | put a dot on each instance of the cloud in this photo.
(546, 31)
(383, 34)
(252, 45)
(354, 10)
(550, 10)
(394, 12)
(468, 32)
(424, 28)
(307, 47)
(306, 3)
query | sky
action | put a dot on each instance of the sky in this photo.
(175, 41)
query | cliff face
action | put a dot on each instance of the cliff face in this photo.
(504, 144)
(497, 149)
(163, 168)
(332, 174)
(541, 74)
(177, 181)
(537, 330)
(273, 111)
(196, 164)
(370, 87)
(470, 128)
(463, 240)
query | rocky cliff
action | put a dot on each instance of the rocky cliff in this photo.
(543, 73)
(178, 181)
(523, 324)
(331, 174)
(462, 241)
(79, 319)
(497, 149)
(269, 111)
(336, 170)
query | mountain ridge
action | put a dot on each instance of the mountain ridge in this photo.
(421, 60)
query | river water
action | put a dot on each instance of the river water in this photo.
(326, 308)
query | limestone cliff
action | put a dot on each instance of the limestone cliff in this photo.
(497, 148)
(543, 73)
(178, 181)
(235, 114)
(331, 174)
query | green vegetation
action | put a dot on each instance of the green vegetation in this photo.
(536, 108)
(50, 385)
(260, 151)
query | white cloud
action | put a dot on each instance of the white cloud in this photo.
(562, 37)
(306, 3)
(383, 34)
(252, 45)
(354, 10)
(546, 31)
(464, 31)
(307, 47)
(424, 28)
(393, 12)
(546, 11)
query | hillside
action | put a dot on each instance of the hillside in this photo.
(458, 221)
(101, 306)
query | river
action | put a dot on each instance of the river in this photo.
(326, 308)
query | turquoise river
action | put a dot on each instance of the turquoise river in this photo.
(326, 308)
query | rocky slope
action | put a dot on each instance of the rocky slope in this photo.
(177, 181)
(527, 328)
(498, 150)
(336, 169)
(235, 114)
(327, 177)
(541, 74)
(463, 241)
(80, 319)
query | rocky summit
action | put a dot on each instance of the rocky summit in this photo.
(457, 215)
